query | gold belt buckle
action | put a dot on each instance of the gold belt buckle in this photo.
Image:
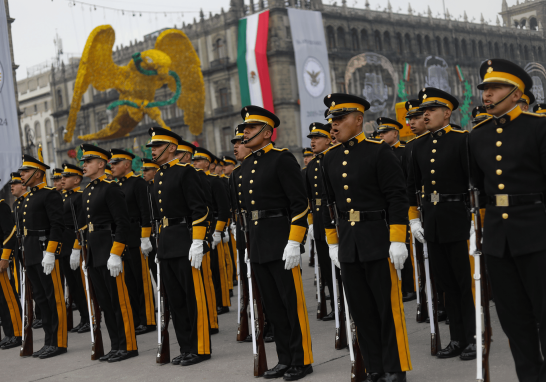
(435, 198)
(354, 216)
(165, 222)
(318, 202)
(502, 200)
(91, 229)
(254, 215)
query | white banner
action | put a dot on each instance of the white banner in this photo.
(10, 144)
(312, 67)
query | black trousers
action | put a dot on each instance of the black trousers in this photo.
(520, 297)
(48, 293)
(219, 276)
(374, 297)
(282, 295)
(113, 297)
(325, 266)
(451, 266)
(10, 306)
(75, 287)
(408, 281)
(188, 304)
(139, 284)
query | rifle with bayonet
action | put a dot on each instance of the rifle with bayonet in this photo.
(321, 297)
(484, 331)
(69, 310)
(163, 355)
(28, 308)
(97, 349)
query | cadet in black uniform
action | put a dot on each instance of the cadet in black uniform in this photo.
(229, 165)
(57, 177)
(19, 192)
(70, 252)
(479, 114)
(527, 98)
(10, 305)
(272, 189)
(509, 155)
(108, 225)
(439, 168)
(539, 108)
(43, 232)
(307, 156)
(202, 159)
(108, 172)
(149, 168)
(366, 182)
(137, 272)
(320, 144)
(185, 216)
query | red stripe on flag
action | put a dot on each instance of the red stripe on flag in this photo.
(261, 63)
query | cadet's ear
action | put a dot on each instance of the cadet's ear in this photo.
(102, 164)
(448, 112)
(172, 148)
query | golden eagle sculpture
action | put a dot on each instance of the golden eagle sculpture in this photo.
(173, 62)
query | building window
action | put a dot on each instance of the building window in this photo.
(226, 138)
(474, 50)
(456, 47)
(364, 39)
(447, 50)
(387, 41)
(428, 46)
(438, 46)
(224, 98)
(377, 39)
(399, 44)
(331, 37)
(341, 38)
(540, 54)
(533, 25)
(419, 44)
(59, 98)
(45, 106)
(219, 49)
(354, 39)
(407, 44)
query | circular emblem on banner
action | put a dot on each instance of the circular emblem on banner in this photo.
(314, 77)
(1, 77)
(253, 77)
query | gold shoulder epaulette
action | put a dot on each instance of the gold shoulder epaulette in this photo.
(460, 131)
(534, 114)
(412, 139)
(482, 122)
(280, 149)
(1, 200)
(107, 181)
(333, 147)
(422, 135)
(402, 146)
(305, 168)
(211, 174)
(182, 164)
(49, 188)
(81, 192)
(236, 167)
(373, 140)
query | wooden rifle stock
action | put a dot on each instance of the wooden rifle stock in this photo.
(422, 312)
(358, 371)
(341, 332)
(164, 349)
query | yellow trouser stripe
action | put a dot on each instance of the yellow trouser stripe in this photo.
(229, 265)
(203, 338)
(14, 312)
(399, 320)
(126, 312)
(209, 291)
(148, 293)
(83, 279)
(223, 275)
(15, 276)
(62, 336)
(303, 318)
(234, 247)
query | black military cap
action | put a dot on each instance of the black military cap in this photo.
(201, 153)
(387, 124)
(117, 155)
(539, 108)
(108, 169)
(161, 136)
(255, 114)
(433, 97)
(340, 104)
(527, 97)
(148, 164)
(239, 133)
(307, 152)
(229, 160)
(31, 163)
(91, 151)
(317, 129)
(217, 161)
(185, 147)
(479, 113)
(15, 178)
(57, 173)
(71, 170)
(412, 107)
(499, 71)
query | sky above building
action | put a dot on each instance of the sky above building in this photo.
(39, 22)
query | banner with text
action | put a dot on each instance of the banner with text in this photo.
(10, 145)
(312, 67)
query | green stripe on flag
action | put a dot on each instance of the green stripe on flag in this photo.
(241, 64)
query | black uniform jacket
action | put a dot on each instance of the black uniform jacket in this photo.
(270, 179)
(509, 157)
(73, 197)
(364, 175)
(7, 231)
(237, 207)
(106, 216)
(440, 164)
(179, 195)
(17, 208)
(313, 182)
(155, 210)
(399, 149)
(220, 201)
(207, 194)
(136, 197)
(43, 222)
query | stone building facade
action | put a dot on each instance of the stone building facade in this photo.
(444, 53)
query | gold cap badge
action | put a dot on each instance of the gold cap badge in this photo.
(490, 69)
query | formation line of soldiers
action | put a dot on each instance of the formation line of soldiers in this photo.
(360, 200)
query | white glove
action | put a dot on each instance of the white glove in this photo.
(156, 260)
(417, 230)
(225, 239)
(75, 259)
(333, 250)
(311, 232)
(216, 239)
(146, 246)
(291, 255)
(247, 261)
(114, 265)
(196, 253)
(233, 227)
(398, 253)
(48, 262)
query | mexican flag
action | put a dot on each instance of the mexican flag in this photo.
(407, 71)
(252, 61)
(460, 73)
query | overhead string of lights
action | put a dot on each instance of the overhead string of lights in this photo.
(130, 12)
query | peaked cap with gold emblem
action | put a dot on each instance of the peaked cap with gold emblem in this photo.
(257, 115)
(433, 97)
(340, 104)
(499, 71)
